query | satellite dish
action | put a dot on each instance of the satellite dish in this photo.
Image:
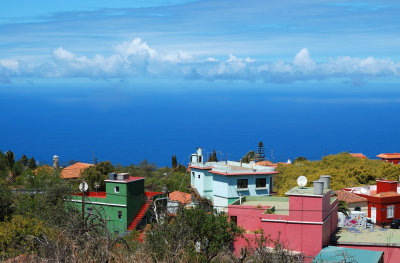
(83, 187)
(252, 164)
(302, 181)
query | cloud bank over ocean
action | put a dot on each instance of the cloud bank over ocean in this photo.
(137, 59)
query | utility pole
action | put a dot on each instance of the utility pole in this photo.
(83, 213)
(83, 187)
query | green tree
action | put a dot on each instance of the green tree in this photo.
(24, 160)
(6, 202)
(260, 152)
(248, 157)
(174, 162)
(32, 163)
(300, 159)
(10, 162)
(194, 233)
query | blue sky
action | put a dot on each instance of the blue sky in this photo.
(266, 41)
(302, 76)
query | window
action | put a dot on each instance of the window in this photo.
(261, 182)
(234, 219)
(89, 210)
(242, 183)
(119, 214)
(116, 189)
(357, 208)
(390, 211)
(193, 174)
(199, 176)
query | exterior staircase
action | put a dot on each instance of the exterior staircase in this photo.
(142, 212)
(139, 216)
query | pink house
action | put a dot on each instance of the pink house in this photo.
(305, 220)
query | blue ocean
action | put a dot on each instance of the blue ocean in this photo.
(129, 122)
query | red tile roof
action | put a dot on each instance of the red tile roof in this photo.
(93, 194)
(389, 155)
(349, 197)
(387, 194)
(74, 171)
(181, 197)
(265, 163)
(359, 155)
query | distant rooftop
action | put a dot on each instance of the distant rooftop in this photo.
(349, 197)
(75, 170)
(369, 236)
(389, 155)
(359, 155)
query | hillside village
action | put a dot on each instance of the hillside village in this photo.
(343, 208)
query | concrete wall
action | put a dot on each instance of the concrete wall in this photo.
(307, 228)
(362, 205)
(226, 185)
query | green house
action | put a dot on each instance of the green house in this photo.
(124, 203)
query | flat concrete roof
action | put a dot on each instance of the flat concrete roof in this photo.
(297, 190)
(369, 236)
(281, 203)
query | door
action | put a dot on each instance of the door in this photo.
(373, 214)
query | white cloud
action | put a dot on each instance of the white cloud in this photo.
(303, 60)
(137, 59)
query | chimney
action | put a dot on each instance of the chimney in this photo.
(318, 187)
(56, 164)
(327, 181)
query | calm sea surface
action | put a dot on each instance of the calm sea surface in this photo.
(129, 125)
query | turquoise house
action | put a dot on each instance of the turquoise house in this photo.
(224, 182)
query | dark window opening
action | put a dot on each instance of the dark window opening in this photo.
(116, 189)
(119, 214)
(199, 176)
(193, 174)
(242, 183)
(261, 182)
(234, 219)
(357, 208)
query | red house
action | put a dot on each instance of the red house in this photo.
(304, 221)
(383, 200)
(393, 158)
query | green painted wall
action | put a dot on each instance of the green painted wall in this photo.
(129, 200)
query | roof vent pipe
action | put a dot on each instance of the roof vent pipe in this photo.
(327, 181)
(318, 187)
(112, 176)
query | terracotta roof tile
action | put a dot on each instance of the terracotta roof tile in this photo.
(265, 163)
(389, 155)
(387, 194)
(359, 155)
(181, 197)
(349, 197)
(74, 171)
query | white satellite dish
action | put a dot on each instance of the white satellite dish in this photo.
(301, 181)
(83, 187)
(252, 164)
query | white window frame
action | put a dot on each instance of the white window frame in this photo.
(116, 189)
(390, 211)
